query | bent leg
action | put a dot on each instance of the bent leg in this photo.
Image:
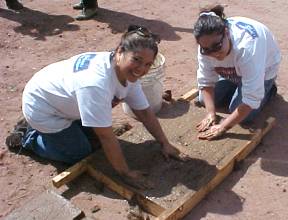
(223, 92)
(237, 100)
(69, 145)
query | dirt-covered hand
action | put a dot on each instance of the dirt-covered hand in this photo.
(207, 122)
(137, 179)
(214, 132)
(170, 151)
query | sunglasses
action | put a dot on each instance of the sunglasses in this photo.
(143, 32)
(214, 48)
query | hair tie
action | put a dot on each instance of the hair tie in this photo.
(211, 13)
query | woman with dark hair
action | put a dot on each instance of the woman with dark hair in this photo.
(67, 102)
(238, 63)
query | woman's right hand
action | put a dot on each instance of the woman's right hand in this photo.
(137, 179)
(207, 122)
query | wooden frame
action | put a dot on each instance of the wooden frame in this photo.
(186, 203)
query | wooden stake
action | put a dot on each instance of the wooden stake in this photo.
(71, 173)
(193, 93)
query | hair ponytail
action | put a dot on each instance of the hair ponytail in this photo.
(211, 20)
(217, 9)
(137, 38)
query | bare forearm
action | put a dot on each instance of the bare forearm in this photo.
(238, 115)
(113, 151)
(151, 123)
(208, 97)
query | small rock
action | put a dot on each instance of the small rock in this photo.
(2, 154)
(95, 208)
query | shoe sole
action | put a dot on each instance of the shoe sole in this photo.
(82, 18)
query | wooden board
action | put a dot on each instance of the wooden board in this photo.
(178, 186)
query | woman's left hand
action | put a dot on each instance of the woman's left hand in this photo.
(213, 132)
(170, 151)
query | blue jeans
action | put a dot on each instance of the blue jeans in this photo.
(69, 145)
(229, 94)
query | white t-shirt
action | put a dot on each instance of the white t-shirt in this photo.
(254, 57)
(83, 87)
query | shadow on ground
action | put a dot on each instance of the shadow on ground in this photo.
(119, 21)
(38, 24)
(272, 152)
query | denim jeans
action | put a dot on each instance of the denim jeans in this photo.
(69, 145)
(229, 94)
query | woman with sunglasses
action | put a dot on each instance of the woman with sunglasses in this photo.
(238, 62)
(67, 102)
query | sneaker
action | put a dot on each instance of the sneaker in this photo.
(14, 140)
(86, 14)
(78, 6)
(21, 126)
(14, 5)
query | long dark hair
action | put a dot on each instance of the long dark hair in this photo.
(211, 20)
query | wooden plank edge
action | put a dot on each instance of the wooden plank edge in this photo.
(251, 145)
(190, 200)
(109, 183)
(145, 203)
(242, 152)
(148, 205)
(71, 173)
(192, 94)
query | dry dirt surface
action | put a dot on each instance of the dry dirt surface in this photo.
(45, 32)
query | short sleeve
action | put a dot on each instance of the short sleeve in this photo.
(206, 75)
(136, 98)
(251, 68)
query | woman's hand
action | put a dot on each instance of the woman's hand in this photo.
(137, 179)
(214, 132)
(207, 122)
(170, 150)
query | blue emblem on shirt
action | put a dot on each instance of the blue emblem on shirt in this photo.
(248, 28)
(82, 62)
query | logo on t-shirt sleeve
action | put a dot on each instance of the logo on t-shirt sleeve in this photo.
(83, 62)
(248, 28)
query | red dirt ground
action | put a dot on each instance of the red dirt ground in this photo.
(45, 32)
